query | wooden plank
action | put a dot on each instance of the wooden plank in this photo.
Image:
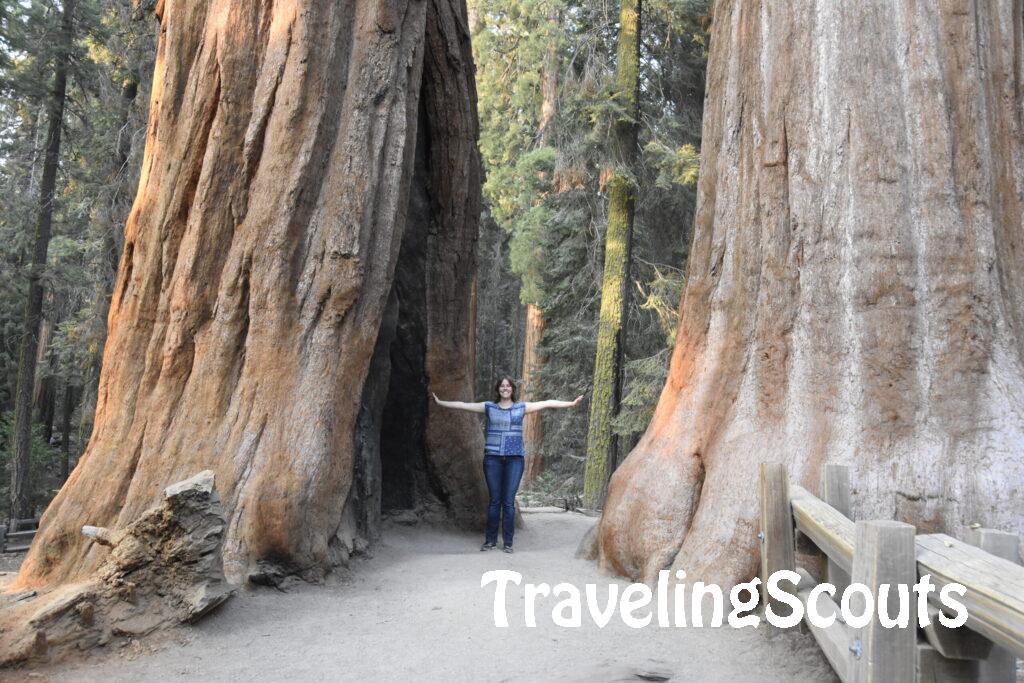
(835, 490)
(23, 524)
(932, 667)
(777, 544)
(836, 640)
(805, 546)
(1001, 664)
(21, 535)
(885, 555)
(827, 527)
(995, 587)
(999, 543)
(954, 643)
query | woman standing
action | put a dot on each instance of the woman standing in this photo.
(503, 454)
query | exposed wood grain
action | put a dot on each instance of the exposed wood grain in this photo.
(932, 667)
(885, 555)
(835, 640)
(835, 490)
(955, 643)
(995, 587)
(777, 544)
(1001, 664)
(823, 524)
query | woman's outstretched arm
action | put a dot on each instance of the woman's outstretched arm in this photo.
(535, 406)
(460, 405)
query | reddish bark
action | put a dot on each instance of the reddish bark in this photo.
(258, 261)
(855, 285)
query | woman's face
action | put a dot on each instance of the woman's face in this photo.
(505, 389)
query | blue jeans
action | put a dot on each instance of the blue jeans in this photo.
(503, 473)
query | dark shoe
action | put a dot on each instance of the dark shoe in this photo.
(488, 546)
(507, 549)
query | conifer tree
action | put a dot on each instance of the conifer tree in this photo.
(34, 301)
(601, 440)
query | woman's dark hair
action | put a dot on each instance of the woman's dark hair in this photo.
(497, 394)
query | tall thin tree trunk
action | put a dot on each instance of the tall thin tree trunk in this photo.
(277, 188)
(67, 410)
(42, 346)
(533, 424)
(44, 395)
(34, 301)
(855, 289)
(601, 442)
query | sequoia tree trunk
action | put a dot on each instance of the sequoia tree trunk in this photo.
(855, 291)
(533, 426)
(259, 258)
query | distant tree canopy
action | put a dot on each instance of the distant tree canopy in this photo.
(103, 124)
(550, 199)
(542, 230)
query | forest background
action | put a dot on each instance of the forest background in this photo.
(548, 103)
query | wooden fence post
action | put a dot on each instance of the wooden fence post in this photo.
(835, 488)
(885, 555)
(777, 542)
(1000, 665)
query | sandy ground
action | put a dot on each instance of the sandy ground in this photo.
(416, 611)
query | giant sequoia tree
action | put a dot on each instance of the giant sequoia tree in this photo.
(855, 290)
(296, 272)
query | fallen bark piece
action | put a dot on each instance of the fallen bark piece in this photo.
(100, 534)
(202, 482)
(163, 569)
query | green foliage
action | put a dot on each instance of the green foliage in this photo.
(511, 42)
(100, 154)
(44, 465)
(552, 198)
(529, 218)
(96, 179)
(678, 166)
(645, 376)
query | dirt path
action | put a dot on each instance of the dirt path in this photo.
(416, 611)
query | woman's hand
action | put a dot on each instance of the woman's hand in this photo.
(459, 405)
(537, 406)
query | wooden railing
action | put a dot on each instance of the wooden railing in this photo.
(873, 553)
(17, 535)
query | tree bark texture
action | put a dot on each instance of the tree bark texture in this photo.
(602, 444)
(855, 285)
(533, 425)
(258, 262)
(34, 302)
(67, 410)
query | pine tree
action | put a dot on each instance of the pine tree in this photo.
(34, 300)
(601, 439)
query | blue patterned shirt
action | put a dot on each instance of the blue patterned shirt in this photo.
(504, 429)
